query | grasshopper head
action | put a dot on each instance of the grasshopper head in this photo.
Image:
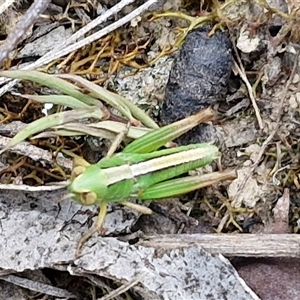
(88, 185)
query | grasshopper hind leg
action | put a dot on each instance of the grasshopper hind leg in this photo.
(97, 227)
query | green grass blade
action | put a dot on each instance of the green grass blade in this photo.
(120, 103)
(138, 113)
(109, 126)
(67, 130)
(102, 93)
(84, 129)
(118, 127)
(58, 100)
(104, 129)
(53, 82)
(54, 120)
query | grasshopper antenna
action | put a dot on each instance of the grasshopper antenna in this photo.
(66, 197)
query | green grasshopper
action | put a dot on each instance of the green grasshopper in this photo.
(141, 171)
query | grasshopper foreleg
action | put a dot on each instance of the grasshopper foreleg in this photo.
(100, 219)
(97, 227)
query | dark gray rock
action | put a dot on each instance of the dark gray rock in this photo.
(198, 78)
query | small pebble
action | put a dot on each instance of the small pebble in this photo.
(198, 78)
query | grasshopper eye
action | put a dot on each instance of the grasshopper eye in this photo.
(88, 198)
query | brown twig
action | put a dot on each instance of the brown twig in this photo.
(238, 67)
(243, 245)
